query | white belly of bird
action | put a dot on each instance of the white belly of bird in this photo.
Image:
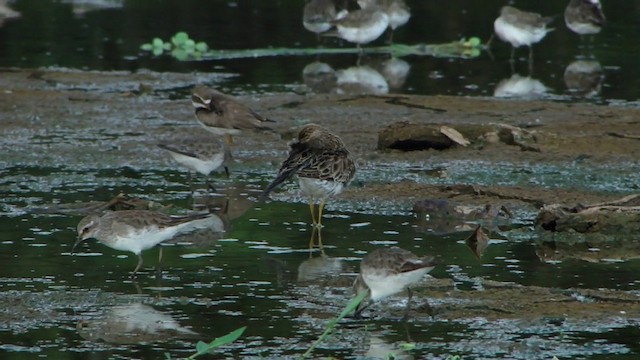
(142, 239)
(584, 28)
(220, 130)
(204, 167)
(399, 18)
(365, 34)
(383, 284)
(320, 189)
(517, 36)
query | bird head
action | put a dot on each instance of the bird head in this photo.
(87, 228)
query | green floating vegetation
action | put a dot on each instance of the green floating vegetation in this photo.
(203, 348)
(351, 306)
(181, 47)
(184, 48)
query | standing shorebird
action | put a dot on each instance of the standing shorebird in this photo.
(584, 17)
(202, 154)
(362, 26)
(318, 16)
(520, 28)
(322, 164)
(388, 271)
(223, 115)
(397, 11)
(136, 230)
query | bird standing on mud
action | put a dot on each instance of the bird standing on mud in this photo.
(322, 163)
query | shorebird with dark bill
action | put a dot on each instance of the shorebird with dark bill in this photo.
(223, 115)
(520, 28)
(388, 271)
(323, 165)
(362, 26)
(202, 154)
(584, 17)
(397, 11)
(136, 230)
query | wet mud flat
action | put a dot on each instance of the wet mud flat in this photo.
(584, 154)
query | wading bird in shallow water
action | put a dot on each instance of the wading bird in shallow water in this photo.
(362, 26)
(322, 163)
(223, 115)
(520, 28)
(318, 15)
(388, 271)
(137, 230)
(397, 12)
(584, 17)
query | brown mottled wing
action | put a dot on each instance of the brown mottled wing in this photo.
(299, 157)
(415, 264)
(329, 165)
(135, 218)
(524, 18)
(237, 115)
(179, 149)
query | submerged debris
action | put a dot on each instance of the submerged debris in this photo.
(407, 136)
(614, 217)
(119, 202)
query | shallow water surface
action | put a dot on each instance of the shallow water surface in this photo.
(259, 273)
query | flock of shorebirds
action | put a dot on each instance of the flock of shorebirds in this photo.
(317, 156)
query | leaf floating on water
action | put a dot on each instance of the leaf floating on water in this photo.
(454, 135)
(478, 241)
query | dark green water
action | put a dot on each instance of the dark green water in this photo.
(260, 274)
(49, 34)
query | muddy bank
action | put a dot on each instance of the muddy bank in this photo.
(76, 118)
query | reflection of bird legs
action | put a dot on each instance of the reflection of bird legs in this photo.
(408, 308)
(316, 233)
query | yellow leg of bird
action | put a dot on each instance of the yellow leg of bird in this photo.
(159, 266)
(320, 208)
(228, 139)
(135, 271)
(312, 208)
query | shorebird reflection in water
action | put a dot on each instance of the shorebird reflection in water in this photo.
(388, 271)
(136, 230)
(520, 28)
(322, 163)
(202, 154)
(223, 115)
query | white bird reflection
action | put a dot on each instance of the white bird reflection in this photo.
(132, 324)
(81, 7)
(318, 267)
(319, 77)
(380, 349)
(521, 87)
(394, 70)
(584, 78)
(361, 80)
